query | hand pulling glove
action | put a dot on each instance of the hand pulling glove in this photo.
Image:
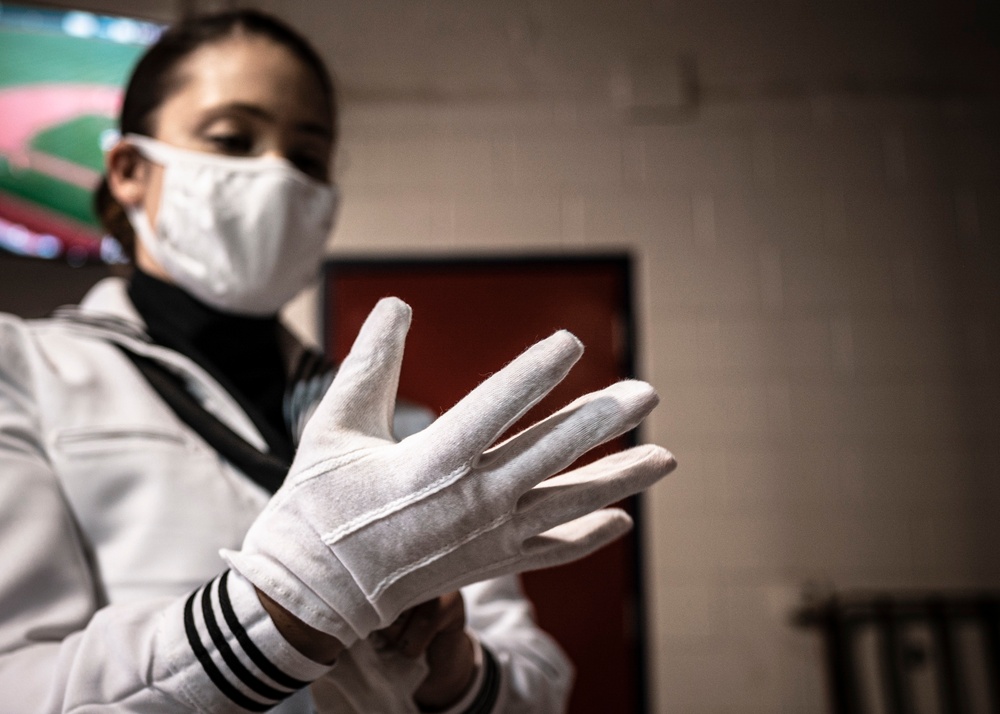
(365, 527)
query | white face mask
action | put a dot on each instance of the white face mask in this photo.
(243, 235)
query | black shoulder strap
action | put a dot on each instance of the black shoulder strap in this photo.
(265, 469)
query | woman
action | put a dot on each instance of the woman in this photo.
(147, 430)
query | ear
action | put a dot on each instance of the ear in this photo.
(128, 174)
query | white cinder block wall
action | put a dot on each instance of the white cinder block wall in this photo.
(816, 299)
(815, 222)
(816, 285)
(815, 304)
(813, 310)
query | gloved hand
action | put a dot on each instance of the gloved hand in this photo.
(364, 527)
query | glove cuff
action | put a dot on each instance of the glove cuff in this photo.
(349, 619)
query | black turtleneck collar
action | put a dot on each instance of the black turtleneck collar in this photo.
(241, 352)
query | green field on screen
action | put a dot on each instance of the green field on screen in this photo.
(29, 60)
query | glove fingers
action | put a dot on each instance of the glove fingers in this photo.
(363, 393)
(554, 443)
(499, 554)
(489, 409)
(574, 540)
(573, 494)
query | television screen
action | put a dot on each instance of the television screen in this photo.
(61, 79)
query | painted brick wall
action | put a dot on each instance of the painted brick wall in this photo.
(817, 307)
(818, 310)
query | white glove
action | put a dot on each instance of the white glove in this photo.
(364, 527)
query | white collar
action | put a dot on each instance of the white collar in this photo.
(109, 297)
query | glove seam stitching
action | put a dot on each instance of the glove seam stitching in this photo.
(394, 576)
(398, 504)
(321, 468)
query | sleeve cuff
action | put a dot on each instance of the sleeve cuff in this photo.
(241, 653)
(484, 693)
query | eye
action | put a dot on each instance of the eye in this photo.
(234, 144)
(310, 164)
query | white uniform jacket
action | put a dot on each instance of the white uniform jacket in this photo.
(113, 597)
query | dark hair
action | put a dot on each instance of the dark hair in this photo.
(155, 78)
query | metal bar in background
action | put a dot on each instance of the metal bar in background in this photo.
(838, 617)
(989, 620)
(893, 678)
(947, 658)
(838, 644)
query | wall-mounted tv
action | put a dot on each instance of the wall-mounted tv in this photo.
(61, 79)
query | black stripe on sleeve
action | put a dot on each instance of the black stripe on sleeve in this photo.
(253, 652)
(208, 665)
(489, 691)
(230, 658)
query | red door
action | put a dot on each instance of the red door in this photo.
(470, 317)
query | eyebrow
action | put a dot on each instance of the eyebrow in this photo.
(317, 129)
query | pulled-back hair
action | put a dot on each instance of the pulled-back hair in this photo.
(155, 78)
